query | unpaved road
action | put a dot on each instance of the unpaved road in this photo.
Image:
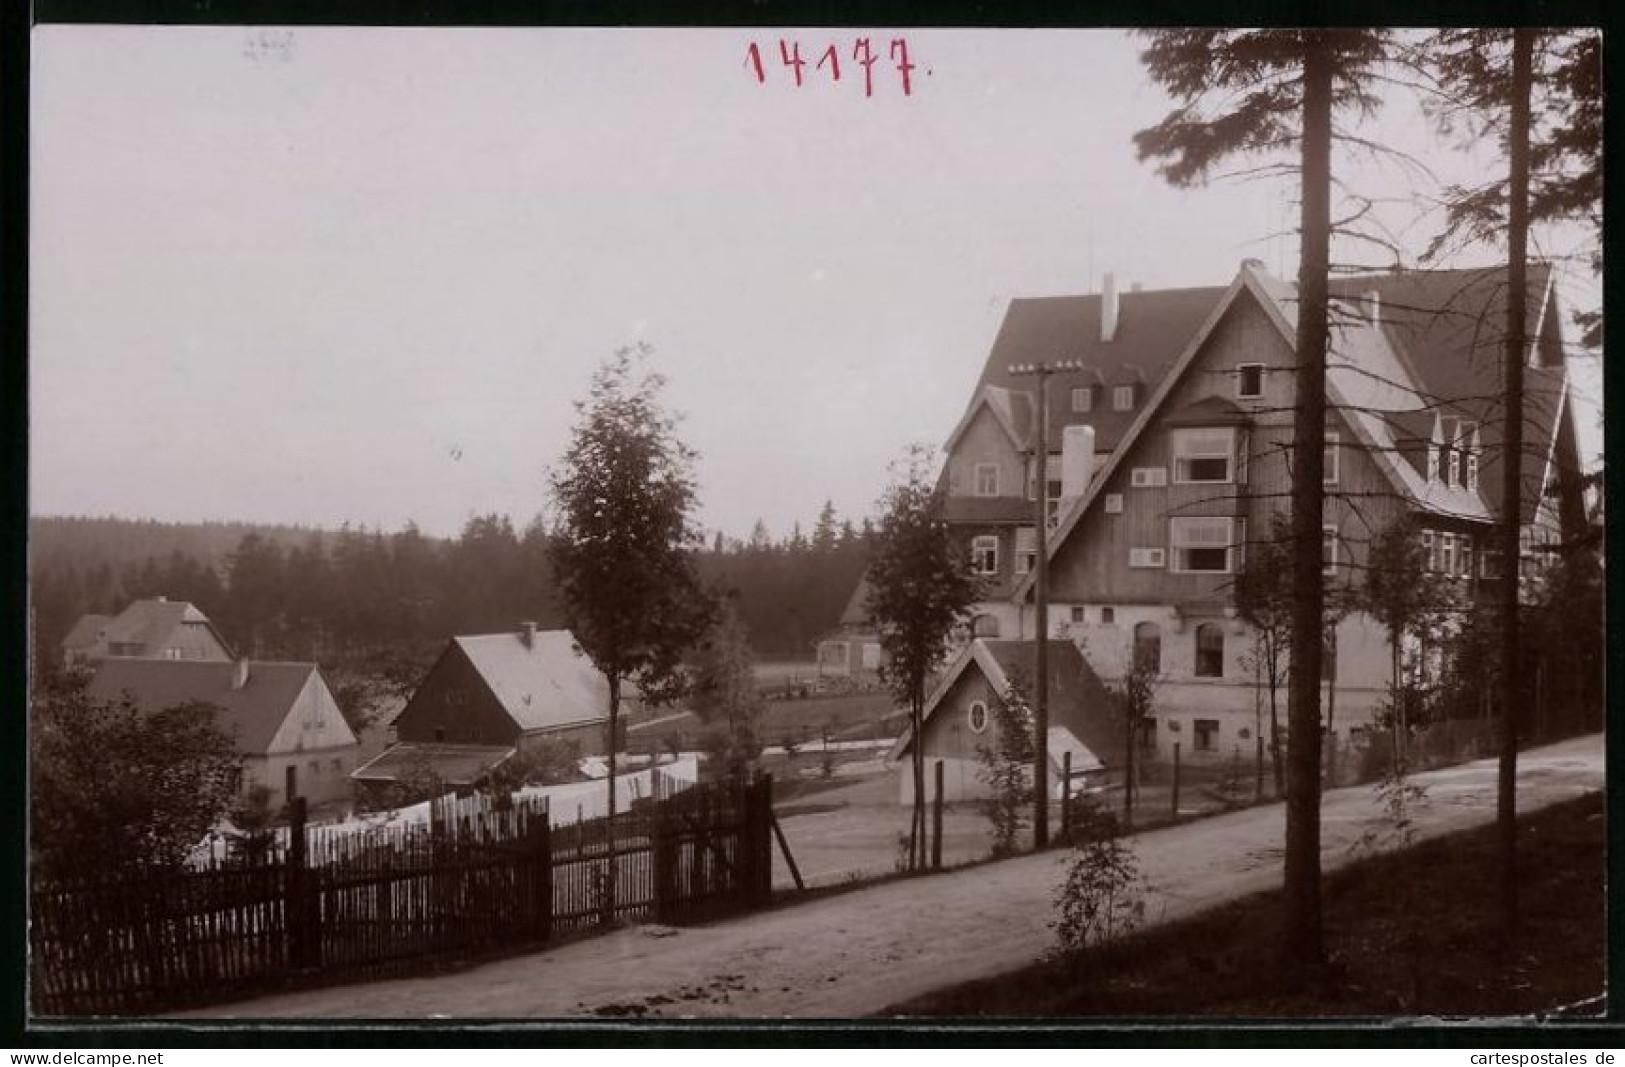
(858, 952)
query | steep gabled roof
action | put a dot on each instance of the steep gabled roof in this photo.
(1152, 330)
(1011, 410)
(1450, 328)
(86, 632)
(1078, 702)
(151, 623)
(1436, 348)
(545, 685)
(856, 613)
(252, 714)
(1247, 279)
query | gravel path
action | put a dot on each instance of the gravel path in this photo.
(856, 953)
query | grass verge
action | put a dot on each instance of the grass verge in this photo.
(1408, 933)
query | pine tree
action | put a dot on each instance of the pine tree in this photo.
(1269, 89)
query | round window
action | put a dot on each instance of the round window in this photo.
(978, 717)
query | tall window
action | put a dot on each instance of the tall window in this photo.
(1026, 548)
(1250, 381)
(1465, 553)
(1204, 455)
(1083, 399)
(1330, 471)
(984, 555)
(1328, 550)
(1473, 445)
(987, 479)
(1447, 554)
(1148, 647)
(1202, 545)
(1210, 650)
(1123, 398)
(1430, 552)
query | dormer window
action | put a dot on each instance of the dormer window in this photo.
(987, 479)
(1471, 444)
(1203, 455)
(1433, 463)
(1122, 398)
(1083, 399)
(1250, 381)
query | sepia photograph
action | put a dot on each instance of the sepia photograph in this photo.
(598, 525)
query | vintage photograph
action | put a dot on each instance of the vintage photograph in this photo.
(606, 524)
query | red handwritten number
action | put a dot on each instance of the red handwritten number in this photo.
(900, 45)
(861, 54)
(791, 58)
(834, 62)
(753, 59)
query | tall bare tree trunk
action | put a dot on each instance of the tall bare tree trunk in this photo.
(1512, 473)
(614, 730)
(1305, 949)
(916, 833)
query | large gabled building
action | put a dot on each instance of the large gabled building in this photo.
(1170, 450)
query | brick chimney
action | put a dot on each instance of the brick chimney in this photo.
(527, 634)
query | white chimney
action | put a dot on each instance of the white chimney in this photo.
(1373, 306)
(527, 634)
(161, 599)
(1108, 307)
(239, 673)
(1077, 462)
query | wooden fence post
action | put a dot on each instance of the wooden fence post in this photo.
(540, 831)
(1176, 782)
(301, 904)
(663, 854)
(936, 817)
(761, 841)
(1066, 796)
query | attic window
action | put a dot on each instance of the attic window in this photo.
(1083, 399)
(1122, 398)
(987, 479)
(1250, 381)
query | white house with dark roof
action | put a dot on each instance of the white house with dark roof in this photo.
(282, 716)
(1169, 448)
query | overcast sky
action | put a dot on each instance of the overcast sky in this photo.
(328, 275)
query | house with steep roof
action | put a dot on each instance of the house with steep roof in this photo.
(1170, 448)
(491, 695)
(960, 719)
(852, 649)
(282, 716)
(156, 628)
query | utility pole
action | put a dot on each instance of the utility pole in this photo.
(1042, 372)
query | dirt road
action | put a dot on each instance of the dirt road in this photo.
(858, 952)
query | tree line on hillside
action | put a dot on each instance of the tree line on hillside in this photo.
(343, 597)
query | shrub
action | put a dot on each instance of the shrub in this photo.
(1103, 895)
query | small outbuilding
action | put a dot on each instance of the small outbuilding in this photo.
(960, 717)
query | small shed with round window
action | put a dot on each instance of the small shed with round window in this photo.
(963, 715)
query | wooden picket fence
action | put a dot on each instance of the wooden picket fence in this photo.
(367, 904)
